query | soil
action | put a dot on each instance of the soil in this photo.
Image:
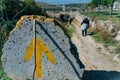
(100, 63)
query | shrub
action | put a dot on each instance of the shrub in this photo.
(70, 30)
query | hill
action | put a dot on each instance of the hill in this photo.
(42, 4)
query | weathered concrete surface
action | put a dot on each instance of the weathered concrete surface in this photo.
(67, 65)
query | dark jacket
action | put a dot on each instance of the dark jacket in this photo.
(85, 21)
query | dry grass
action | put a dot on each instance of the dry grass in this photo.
(116, 21)
(101, 35)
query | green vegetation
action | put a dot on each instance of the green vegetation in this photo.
(99, 33)
(103, 15)
(95, 15)
(96, 3)
(3, 75)
(68, 28)
(71, 30)
(103, 37)
(9, 15)
(117, 50)
(107, 40)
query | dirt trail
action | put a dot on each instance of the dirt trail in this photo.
(99, 64)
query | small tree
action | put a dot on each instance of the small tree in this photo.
(96, 3)
(86, 6)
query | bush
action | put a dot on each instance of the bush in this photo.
(65, 17)
(101, 35)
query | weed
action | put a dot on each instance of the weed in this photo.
(111, 43)
(97, 38)
(3, 75)
(70, 30)
(117, 50)
(101, 36)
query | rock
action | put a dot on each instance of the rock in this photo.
(116, 58)
(59, 62)
(112, 28)
(108, 26)
(118, 36)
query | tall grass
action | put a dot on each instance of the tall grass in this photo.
(71, 30)
(102, 36)
(68, 28)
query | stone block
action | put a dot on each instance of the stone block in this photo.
(66, 66)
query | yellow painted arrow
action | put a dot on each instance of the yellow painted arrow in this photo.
(40, 47)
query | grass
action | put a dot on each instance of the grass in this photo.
(117, 50)
(97, 38)
(107, 42)
(71, 30)
(102, 36)
(68, 28)
(95, 15)
(104, 15)
(3, 75)
(99, 34)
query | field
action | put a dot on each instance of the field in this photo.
(104, 15)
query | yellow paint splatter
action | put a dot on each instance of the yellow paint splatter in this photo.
(40, 47)
(34, 17)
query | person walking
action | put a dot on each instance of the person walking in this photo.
(84, 26)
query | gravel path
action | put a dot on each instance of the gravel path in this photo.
(99, 63)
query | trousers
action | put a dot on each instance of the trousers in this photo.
(84, 32)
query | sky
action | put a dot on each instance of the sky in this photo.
(58, 2)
